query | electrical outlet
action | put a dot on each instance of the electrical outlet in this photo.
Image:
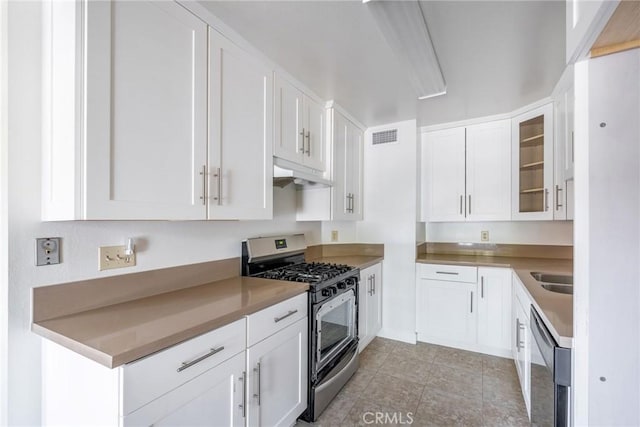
(484, 236)
(113, 257)
(334, 235)
(48, 251)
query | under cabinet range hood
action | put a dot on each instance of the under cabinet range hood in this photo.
(286, 172)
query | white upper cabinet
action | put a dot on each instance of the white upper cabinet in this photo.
(563, 102)
(489, 171)
(532, 163)
(346, 193)
(443, 175)
(154, 119)
(466, 173)
(146, 105)
(300, 127)
(240, 167)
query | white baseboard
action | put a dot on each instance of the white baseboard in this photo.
(491, 351)
(398, 335)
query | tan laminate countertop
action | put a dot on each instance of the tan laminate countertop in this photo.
(555, 309)
(359, 261)
(121, 333)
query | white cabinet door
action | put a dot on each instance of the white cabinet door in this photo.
(347, 169)
(146, 111)
(532, 164)
(315, 155)
(369, 304)
(488, 172)
(289, 139)
(520, 339)
(444, 189)
(214, 398)
(446, 311)
(240, 133)
(563, 153)
(277, 377)
(494, 308)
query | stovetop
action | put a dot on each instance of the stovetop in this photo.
(313, 273)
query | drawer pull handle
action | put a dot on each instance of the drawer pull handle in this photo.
(453, 273)
(290, 313)
(186, 365)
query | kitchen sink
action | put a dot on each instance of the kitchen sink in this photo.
(559, 283)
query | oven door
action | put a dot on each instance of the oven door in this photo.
(335, 324)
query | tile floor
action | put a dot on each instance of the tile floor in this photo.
(427, 385)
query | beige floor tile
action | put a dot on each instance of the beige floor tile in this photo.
(372, 413)
(442, 409)
(407, 368)
(394, 393)
(420, 351)
(504, 415)
(458, 358)
(372, 358)
(502, 389)
(359, 381)
(383, 345)
(456, 380)
(338, 409)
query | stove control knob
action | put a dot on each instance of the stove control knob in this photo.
(326, 292)
(342, 285)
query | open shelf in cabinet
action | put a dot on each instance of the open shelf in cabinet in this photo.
(531, 146)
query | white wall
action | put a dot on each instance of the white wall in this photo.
(514, 232)
(607, 224)
(390, 218)
(4, 230)
(160, 243)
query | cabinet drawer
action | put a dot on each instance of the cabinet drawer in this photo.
(450, 273)
(272, 319)
(157, 374)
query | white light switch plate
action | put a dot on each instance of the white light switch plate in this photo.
(113, 257)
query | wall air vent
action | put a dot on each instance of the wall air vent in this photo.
(385, 136)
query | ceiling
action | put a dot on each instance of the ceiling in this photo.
(496, 56)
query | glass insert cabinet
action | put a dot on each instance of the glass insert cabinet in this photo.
(532, 151)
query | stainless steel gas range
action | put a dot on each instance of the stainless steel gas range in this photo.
(333, 311)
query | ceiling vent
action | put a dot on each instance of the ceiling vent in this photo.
(385, 137)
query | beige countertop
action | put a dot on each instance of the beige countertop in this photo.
(555, 309)
(120, 333)
(359, 261)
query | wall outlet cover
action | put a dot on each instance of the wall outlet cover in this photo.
(484, 236)
(334, 235)
(48, 250)
(114, 257)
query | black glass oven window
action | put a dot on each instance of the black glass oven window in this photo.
(335, 327)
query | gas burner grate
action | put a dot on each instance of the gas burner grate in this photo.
(312, 272)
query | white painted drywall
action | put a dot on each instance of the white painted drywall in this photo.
(159, 243)
(607, 224)
(514, 232)
(4, 229)
(390, 217)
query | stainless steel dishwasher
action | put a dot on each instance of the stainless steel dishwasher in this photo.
(550, 378)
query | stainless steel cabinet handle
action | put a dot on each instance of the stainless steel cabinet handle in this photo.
(186, 365)
(558, 189)
(461, 197)
(308, 136)
(290, 313)
(373, 279)
(243, 378)
(352, 202)
(546, 199)
(302, 150)
(218, 176)
(471, 301)
(370, 283)
(518, 334)
(469, 204)
(520, 342)
(481, 286)
(257, 395)
(453, 273)
(203, 172)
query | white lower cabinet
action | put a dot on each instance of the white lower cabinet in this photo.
(464, 307)
(520, 338)
(210, 380)
(211, 399)
(369, 304)
(277, 377)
